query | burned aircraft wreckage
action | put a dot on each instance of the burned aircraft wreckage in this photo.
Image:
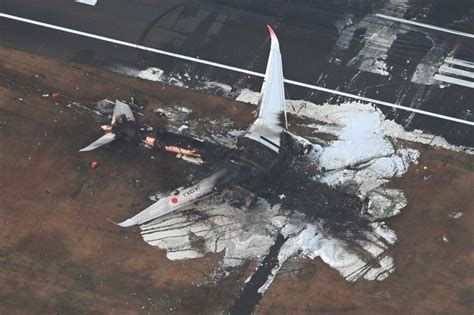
(269, 162)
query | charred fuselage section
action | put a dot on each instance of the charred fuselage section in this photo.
(289, 180)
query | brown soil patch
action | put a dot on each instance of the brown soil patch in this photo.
(432, 276)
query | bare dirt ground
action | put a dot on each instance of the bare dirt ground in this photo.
(59, 254)
(432, 276)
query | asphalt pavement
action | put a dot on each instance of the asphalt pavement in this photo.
(340, 45)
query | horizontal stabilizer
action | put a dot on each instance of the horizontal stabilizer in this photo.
(122, 109)
(105, 139)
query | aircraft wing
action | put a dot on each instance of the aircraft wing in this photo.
(105, 139)
(271, 120)
(178, 199)
(122, 109)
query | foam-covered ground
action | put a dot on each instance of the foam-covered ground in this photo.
(363, 153)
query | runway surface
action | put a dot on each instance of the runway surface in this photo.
(60, 253)
(342, 46)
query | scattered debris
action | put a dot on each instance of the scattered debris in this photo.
(105, 107)
(182, 128)
(385, 294)
(455, 215)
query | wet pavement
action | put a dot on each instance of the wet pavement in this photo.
(341, 46)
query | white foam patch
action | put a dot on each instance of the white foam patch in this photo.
(152, 74)
(394, 130)
(360, 137)
(88, 2)
(215, 226)
(390, 127)
(212, 85)
(248, 96)
(176, 79)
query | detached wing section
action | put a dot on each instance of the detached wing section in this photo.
(271, 120)
(180, 198)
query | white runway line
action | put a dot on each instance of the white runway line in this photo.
(452, 80)
(450, 73)
(218, 65)
(456, 71)
(424, 25)
(459, 62)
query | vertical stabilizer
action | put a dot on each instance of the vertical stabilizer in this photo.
(271, 119)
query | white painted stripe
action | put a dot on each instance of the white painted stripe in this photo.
(218, 65)
(456, 71)
(371, 100)
(424, 25)
(452, 80)
(459, 62)
(123, 43)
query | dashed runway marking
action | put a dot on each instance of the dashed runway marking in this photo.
(456, 71)
(459, 62)
(450, 72)
(452, 80)
(231, 68)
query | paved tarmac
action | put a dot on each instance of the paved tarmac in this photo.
(340, 45)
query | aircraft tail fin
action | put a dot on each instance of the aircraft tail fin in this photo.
(271, 119)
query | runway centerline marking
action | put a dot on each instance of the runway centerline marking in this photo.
(424, 25)
(231, 68)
